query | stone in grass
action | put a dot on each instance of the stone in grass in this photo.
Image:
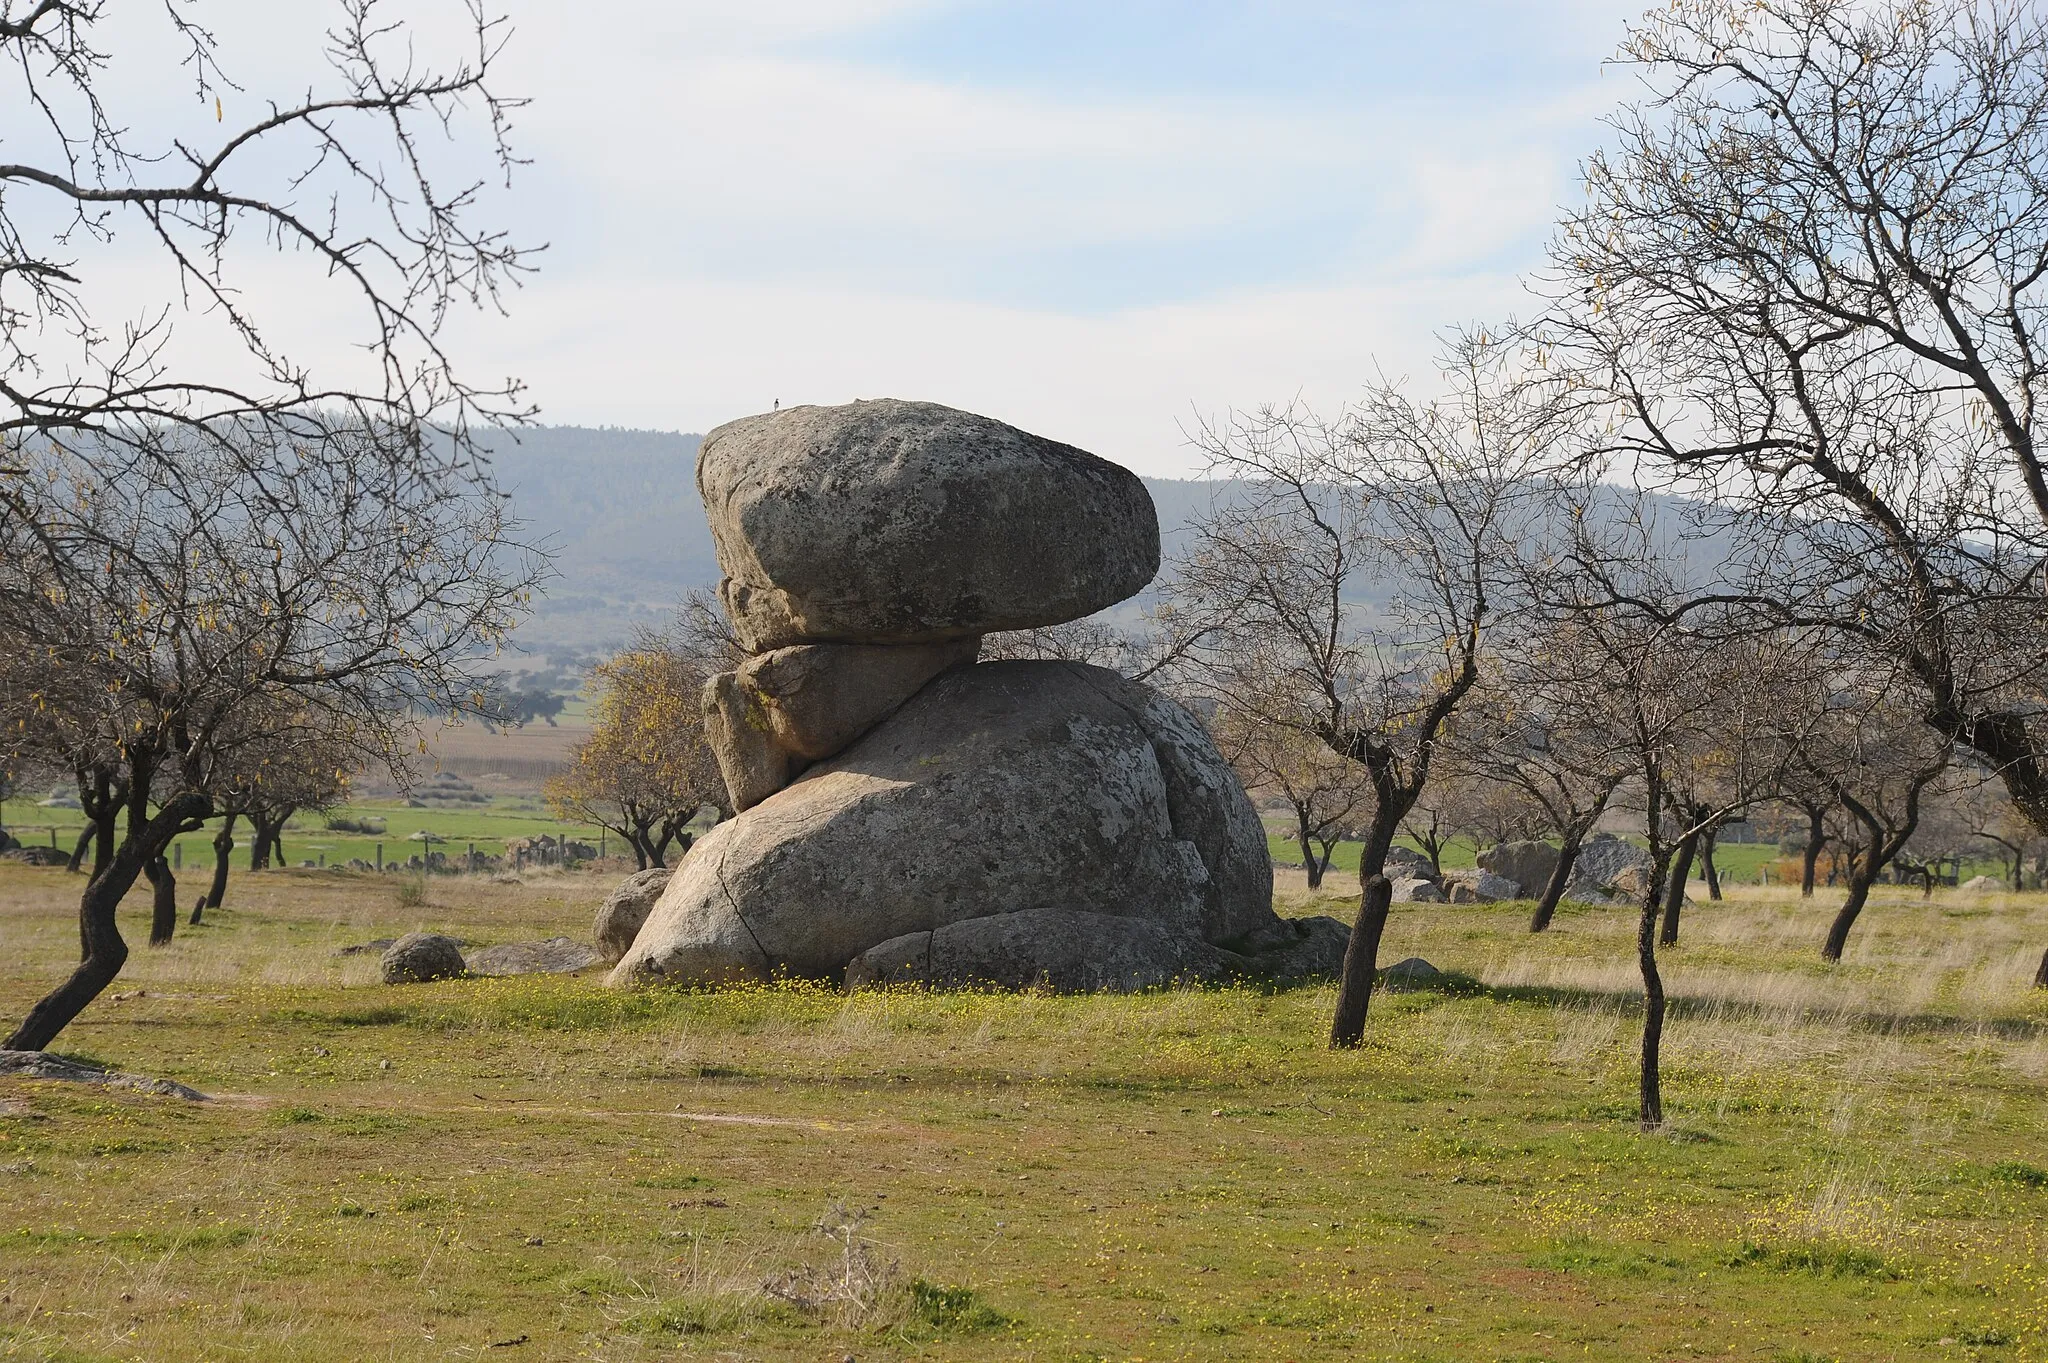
(419, 957)
(43, 1065)
(624, 910)
(555, 956)
(1981, 885)
(1413, 973)
(1414, 890)
(1480, 887)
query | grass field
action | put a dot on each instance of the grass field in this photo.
(308, 838)
(1855, 1167)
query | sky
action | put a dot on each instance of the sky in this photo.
(1103, 220)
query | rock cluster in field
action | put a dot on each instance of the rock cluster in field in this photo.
(906, 812)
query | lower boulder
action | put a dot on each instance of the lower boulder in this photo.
(999, 790)
(1040, 948)
(626, 908)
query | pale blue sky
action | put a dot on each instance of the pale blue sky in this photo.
(1095, 218)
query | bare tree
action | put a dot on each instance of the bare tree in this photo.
(1873, 752)
(1534, 728)
(1323, 792)
(183, 613)
(1807, 283)
(1347, 577)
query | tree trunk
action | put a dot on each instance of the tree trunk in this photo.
(85, 837)
(1845, 918)
(1553, 892)
(163, 916)
(1816, 836)
(217, 893)
(269, 840)
(2041, 975)
(105, 951)
(1379, 840)
(1674, 891)
(1361, 964)
(1707, 867)
(1305, 835)
(1650, 1092)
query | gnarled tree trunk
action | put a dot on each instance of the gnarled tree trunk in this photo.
(105, 951)
(1361, 963)
(1816, 838)
(1845, 917)
(217, 893)
(163, 916)
(1553, 891)
(1674, 891)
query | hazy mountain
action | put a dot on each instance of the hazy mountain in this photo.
(620, 511)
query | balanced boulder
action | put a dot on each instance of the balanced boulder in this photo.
(998, 789)
(908, 522)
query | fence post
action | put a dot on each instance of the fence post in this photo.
(380, 856)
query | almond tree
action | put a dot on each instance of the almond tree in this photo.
(647, 767)
(193, 614)
(1807, 285)
(1323, 792)
(194, 520)
(1346, 581)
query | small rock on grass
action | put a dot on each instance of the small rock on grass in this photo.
(419, 957)
(43, 1065)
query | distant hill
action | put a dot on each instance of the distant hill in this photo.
(619, 510)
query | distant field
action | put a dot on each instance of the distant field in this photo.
(1739, 863)
(307, 837)
(547, 1169)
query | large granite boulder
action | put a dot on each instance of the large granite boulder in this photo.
(998, 789)
(625, 909)
(908, 522)
(1529, 864)
(1600, 865)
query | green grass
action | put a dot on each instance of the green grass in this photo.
(1738, 863)
(1852, 1169)
(307, 837)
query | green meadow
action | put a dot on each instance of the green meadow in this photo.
(545, 1168)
